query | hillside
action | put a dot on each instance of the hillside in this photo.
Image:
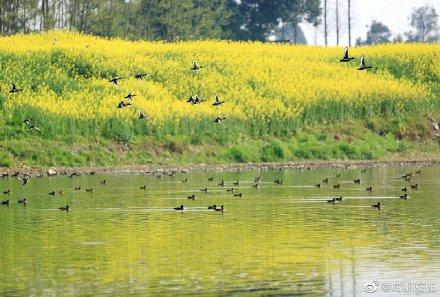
(282, 102)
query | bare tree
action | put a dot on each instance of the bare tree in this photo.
(325, 23)
(337, 22)
(349, 22)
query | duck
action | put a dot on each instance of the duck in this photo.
(378, 205)
(192, 197)
(278, 181)
(219, 120)
(61, 192)
(204, 190)
(369, 189)
(238, 195)
(338, 175)
(362, 65)
(122, 104)
(195, 66)
(130, 96)
(257, 179)
(256, 185)
(339, 199)
(212, 206)
(24, 180)
(318, 185)
(140, 76)
(27, 121)
(52, 193)
(142, 115)
(184, 181)
(91, 190)
(325, 180)
(357, 181)
(333, 201)
(6, 202)
(338, 186)
(13, 88)
(22, 201)
(211, 179)
(221, 209)
(179, 208)
(404, 196)
(230, 190)
(65, 208)
(405, 189)
(346, 57)
(144, 187)
(7, 192)
(416, 186)
(236, 183)
(104, 182)
(364, 171)
(419, 171)
(115, 80)
(221, 183)
(77, 188)
(217, 101)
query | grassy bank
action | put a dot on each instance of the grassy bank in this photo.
(282, 102)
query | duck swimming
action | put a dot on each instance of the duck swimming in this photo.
(378, 205)
(178, 208)
(66, 208)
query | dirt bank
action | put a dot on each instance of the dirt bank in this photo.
(157, 168)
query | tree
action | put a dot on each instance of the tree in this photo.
(377, 33)
(325, 23)
(337, 22)
(260, 17)
(424, 21)
(349, 22)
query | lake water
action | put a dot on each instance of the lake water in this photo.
(276, 240)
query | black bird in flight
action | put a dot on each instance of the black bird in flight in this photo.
(195, 66)
(142, 115)
(122, 104)
(140, 76)
(219, 120)
(130, 96)
(346, 57)
(14, 89)
(217, 102)
(115, 80)
(363, 66)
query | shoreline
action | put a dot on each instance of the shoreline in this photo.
(160, 169)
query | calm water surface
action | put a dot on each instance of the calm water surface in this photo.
(276, 240)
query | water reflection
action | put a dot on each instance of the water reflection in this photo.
(276, 239)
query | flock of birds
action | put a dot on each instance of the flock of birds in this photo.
(256, 183)
(194, 99)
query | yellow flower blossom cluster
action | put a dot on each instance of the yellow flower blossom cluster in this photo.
(66, 74)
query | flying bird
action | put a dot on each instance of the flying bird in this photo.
(130, 96)
(362, 65)
(14, 89)
(142, 115)
(219, 120)
(195, 66)
(217, 101)
(140, 76)
(122, 104)
(115, 80)
(346, 57)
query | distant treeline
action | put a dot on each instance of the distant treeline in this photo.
(158, 19)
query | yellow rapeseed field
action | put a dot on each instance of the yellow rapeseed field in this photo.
(66, 74)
